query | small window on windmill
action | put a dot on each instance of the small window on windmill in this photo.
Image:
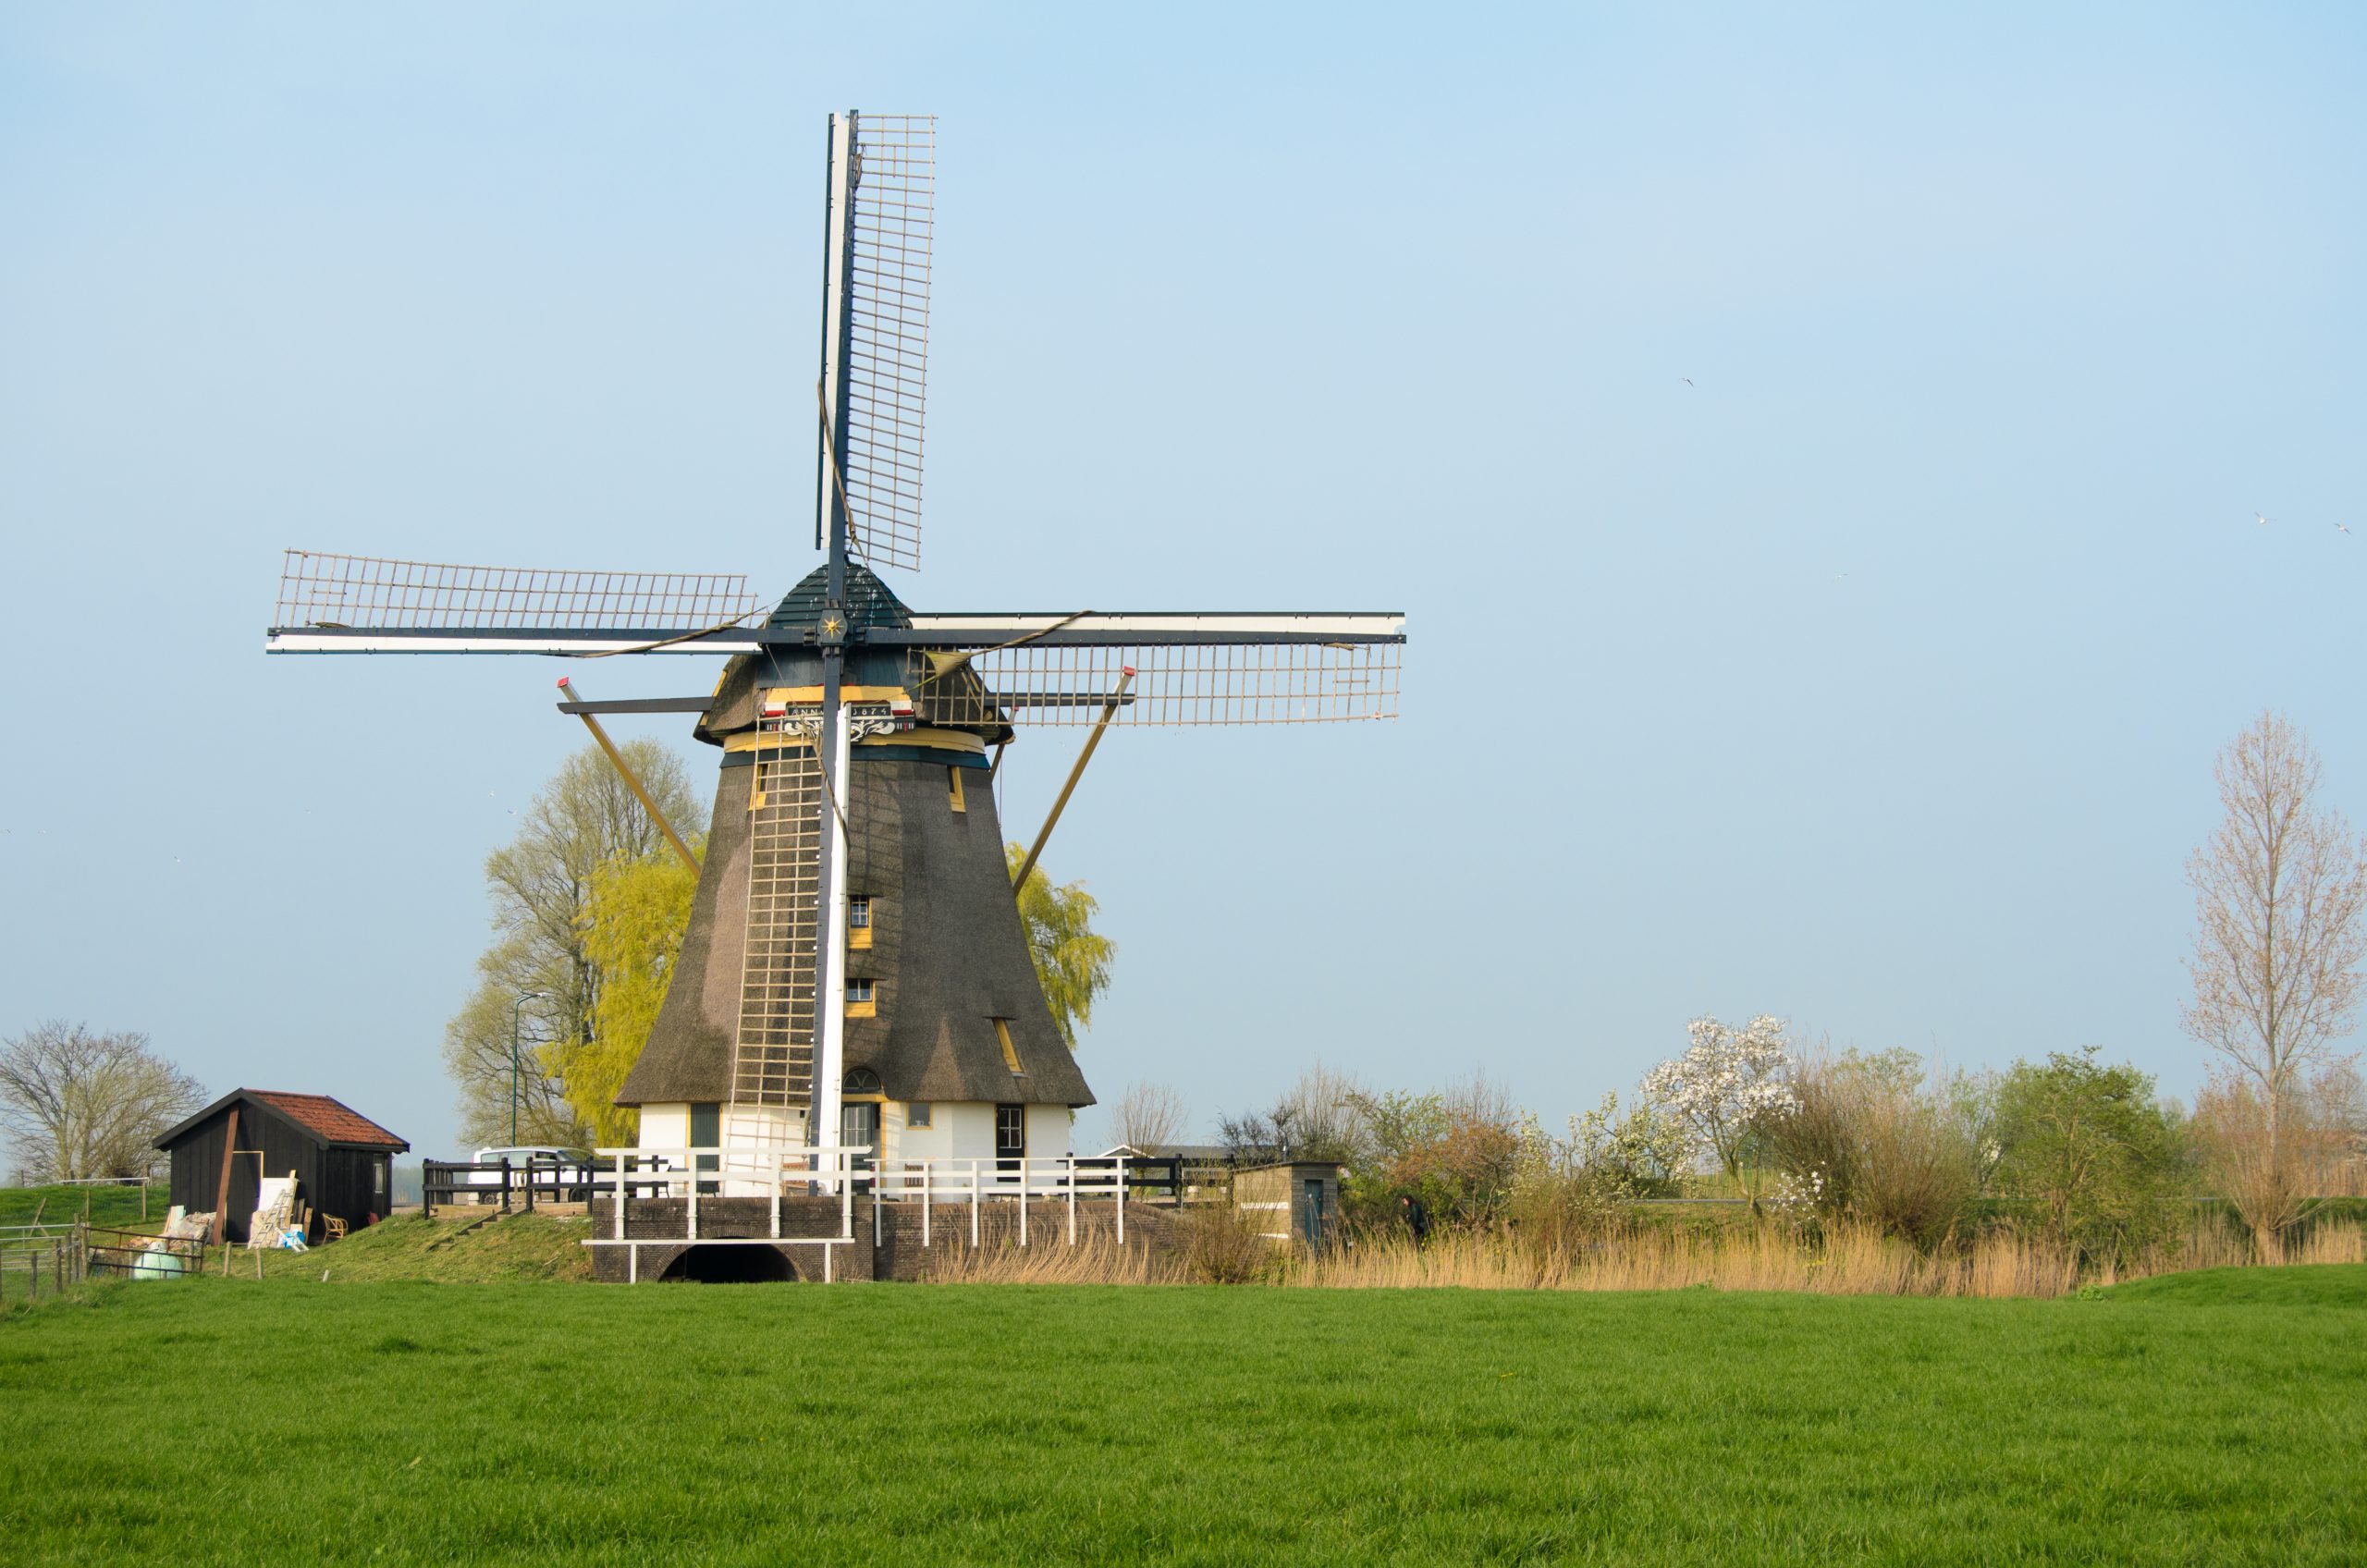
(919, 1114)
(862, 1081)
(953, 787)
(1010, 1051)
(859, 922)
(863, 1000)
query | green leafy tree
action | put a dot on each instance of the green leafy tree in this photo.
(1071, 959)
(2090, 1147)
(541, 885)
(631, 929)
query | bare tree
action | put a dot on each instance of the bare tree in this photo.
(1149, 1116)
(541, 883)
(2280, 894)
(79, 1104)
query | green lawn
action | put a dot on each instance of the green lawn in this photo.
(221, 1421)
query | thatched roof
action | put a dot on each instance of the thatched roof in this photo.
(949, 954)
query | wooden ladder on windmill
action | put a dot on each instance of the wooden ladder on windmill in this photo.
(772, 1061)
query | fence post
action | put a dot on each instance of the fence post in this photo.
(846, 1195)
(925, 1197)
(426, 1190)
(622, 1170)
(973, 1206)
(530, 1183)
(1122, 1200)
(1071, 1199)
(505, 1184)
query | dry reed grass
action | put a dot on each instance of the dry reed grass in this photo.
(1858, 1261)
(1097, 1259)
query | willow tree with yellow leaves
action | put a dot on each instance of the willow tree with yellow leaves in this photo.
(1073, 961)
(631, 929)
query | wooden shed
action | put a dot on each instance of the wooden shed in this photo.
(1291, 1201)
(343, 1161)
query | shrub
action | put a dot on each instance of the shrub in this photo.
(1570, 1192)
(1220, 1247)
(1458, 1152)
(1869, 1140)
(2090, 1147)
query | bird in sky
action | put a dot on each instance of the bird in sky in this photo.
(2342, 528)
(2262, 517)
(1687, 379)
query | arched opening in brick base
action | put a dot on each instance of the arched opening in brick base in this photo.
(731, 1266)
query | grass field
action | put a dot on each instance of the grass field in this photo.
(2204, 1419)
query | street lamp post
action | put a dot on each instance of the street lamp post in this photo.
(521, 1001)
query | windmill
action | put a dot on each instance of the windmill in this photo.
(855, 948)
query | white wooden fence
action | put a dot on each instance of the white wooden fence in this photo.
(741, 1172)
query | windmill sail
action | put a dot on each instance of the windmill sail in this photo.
(886, 282)
(1192, 669)
(370, 604)
(1188, 671)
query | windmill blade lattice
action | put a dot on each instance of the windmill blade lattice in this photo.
(1175, 684)
(369, 592)
(895, 216)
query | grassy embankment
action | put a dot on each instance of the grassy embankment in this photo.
(466, 1246)
(113, 1207)
(2206, 1419)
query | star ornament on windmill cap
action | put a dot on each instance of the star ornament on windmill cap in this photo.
(854, 732)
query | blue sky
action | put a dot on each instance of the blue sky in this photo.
(1871, 679)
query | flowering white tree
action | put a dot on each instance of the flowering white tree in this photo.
(1728, 1085)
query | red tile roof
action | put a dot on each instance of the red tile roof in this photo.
(329, 1118)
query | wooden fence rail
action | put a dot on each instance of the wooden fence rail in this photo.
(452, 1182)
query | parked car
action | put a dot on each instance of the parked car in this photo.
(573, 1166)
